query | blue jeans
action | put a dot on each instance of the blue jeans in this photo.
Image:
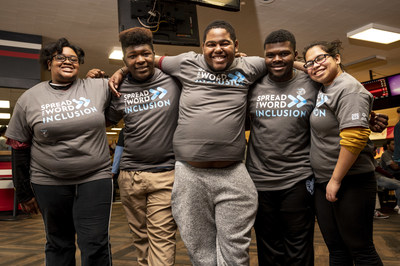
(389, 183)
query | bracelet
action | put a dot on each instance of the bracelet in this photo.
(123, 72)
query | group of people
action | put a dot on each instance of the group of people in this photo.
(182, 165)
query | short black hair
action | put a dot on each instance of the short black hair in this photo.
(332, 48)
(281, 36)
(387, 144)
(47, 52)
(220, 24)
(136, 36)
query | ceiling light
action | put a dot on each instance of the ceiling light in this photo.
(5, 116)
(4, 104)
(116, 54)
(111, 133)
(376, 33)
(116, 128)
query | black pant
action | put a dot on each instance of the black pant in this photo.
(347, 224)
(285, 226)
(83, 209)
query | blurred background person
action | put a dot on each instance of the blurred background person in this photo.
(387, 161)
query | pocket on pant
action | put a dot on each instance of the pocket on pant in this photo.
(125, 183)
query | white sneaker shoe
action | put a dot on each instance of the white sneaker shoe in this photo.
(397, 208)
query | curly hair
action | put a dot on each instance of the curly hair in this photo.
(136, 36)
(281, 36)
(220, 24)
(332, 48)
(47, 52)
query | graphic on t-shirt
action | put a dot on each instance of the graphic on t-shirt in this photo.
(145, 100)
(282, 105)
(83, 101)
(321, 99)
(232, 79)
(160, 92)
(68, 109)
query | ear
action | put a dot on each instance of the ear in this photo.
(49, 64)
(338, 59)
(295, 54)
(202, 48)
(236, 46)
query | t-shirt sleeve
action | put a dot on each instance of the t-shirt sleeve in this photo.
(255, 67)
(112, 114)
(171, 64)
(18, 128)
(353, 110)
(386, 158)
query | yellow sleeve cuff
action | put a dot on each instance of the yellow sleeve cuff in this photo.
(354, 139)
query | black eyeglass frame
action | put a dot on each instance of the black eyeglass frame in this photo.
(73, 59)
(319, 60)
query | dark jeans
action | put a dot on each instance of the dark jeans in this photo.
(285, 226)
(347, 224)
(83, 209)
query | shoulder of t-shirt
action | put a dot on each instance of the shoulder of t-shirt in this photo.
(349, 85)
(37, 89)
(253, 62)
(95, 82)
(176, 58)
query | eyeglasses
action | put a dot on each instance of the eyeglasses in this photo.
(319, 60)
(61, 58)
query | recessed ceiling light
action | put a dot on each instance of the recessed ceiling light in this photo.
(116, 128)
(111, 133)
(5, 116)
(376, 33)
(4, 104)
(116, 54)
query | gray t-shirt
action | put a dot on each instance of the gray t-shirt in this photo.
(278, 155)
(212, 106)
(67, 131)
(343, 104)
(386, 159)
(150, 113)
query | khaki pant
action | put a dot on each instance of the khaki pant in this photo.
(146, 198)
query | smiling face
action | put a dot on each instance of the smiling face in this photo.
(326, 71)
(279, 58)
(219, 49)
(140, 61)
(64, 72)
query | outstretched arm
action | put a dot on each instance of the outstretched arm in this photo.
(378, 122)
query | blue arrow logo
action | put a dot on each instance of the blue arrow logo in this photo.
(159, 92)
(321, 99)
(299, 101)
(238, 77)
(302, 101)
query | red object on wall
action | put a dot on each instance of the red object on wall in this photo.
(390, 133)
(6, 187)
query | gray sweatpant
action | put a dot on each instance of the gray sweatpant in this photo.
(215, 210)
